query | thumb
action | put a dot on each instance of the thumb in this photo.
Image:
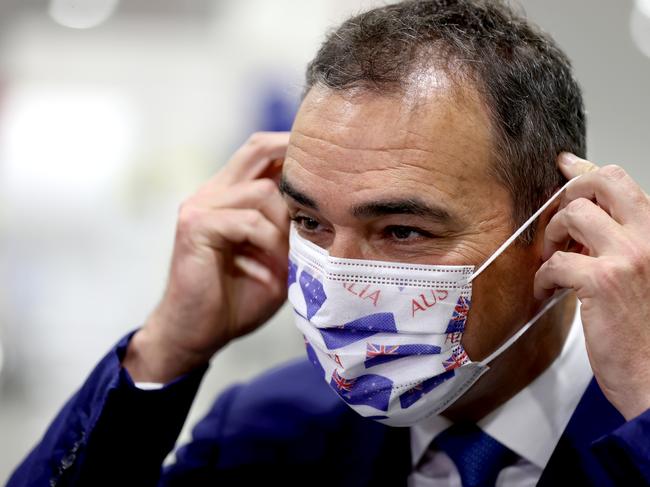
(573, 166)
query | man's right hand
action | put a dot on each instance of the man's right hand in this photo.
(229, 265)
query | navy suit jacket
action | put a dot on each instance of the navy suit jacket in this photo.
(286, 426)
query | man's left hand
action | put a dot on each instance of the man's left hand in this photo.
(607, 213)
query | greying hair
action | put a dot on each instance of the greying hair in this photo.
(523, 77)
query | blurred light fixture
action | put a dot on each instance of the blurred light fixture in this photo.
(70, 143)
(82, 14)
(640, 25)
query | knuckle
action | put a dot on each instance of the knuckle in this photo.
(257, 144)
(188, 217)
(253, 217)
(637, 257)
(577, 206)
(613, 172)
(640, 200)
(554, 262)
(255, 139)
(608, 275)
(266, 187)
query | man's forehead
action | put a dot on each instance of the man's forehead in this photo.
(428, 116)
(368, 141)
(392, 119)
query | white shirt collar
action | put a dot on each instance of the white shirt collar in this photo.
(532, 421)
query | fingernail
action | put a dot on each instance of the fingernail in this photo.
(567, 158)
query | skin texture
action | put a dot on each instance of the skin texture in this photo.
(228, 270)
(351, 152)
(607, 213)
(435, 147)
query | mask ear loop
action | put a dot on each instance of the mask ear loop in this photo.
(519, 231)
(549, 304)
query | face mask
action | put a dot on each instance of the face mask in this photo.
(386, 336)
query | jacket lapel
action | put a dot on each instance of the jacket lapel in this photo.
(393, 463)
(572, 461)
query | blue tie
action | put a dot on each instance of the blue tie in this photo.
(478, 457)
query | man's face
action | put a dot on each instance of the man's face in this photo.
(406, 178)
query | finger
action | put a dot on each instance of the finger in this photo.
(239, 227)
(587, 224)
(251, 261)
(232, 230)
(274, 171)
(252, 159)
(573, 166)
(611, 188)
(563, 270)
(259, 194)
(253, 268)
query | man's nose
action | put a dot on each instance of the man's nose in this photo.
(346, 245)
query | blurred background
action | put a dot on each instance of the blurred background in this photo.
(112, 112)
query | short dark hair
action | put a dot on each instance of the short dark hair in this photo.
(523, 77)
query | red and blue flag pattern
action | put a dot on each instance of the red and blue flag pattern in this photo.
(381, 354)
(370, 390)
(459, 317)
(375, 390)
(410, 397)
(457, 358)
(358, 330)
(312, 290)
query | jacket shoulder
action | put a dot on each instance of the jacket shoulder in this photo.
(287, 414)
(292, 387)
(292, 394)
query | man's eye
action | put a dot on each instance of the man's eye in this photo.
(404, 233)
(306, 223)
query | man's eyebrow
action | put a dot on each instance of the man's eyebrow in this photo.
(406, 206)
(296, 195)
(409, 206)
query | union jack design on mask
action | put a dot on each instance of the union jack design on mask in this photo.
(459, 317)
(379, 356)
(457, 358)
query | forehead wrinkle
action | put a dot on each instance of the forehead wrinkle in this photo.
(395, 159)
(320, 140)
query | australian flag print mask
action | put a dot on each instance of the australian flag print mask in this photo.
(386, 336)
